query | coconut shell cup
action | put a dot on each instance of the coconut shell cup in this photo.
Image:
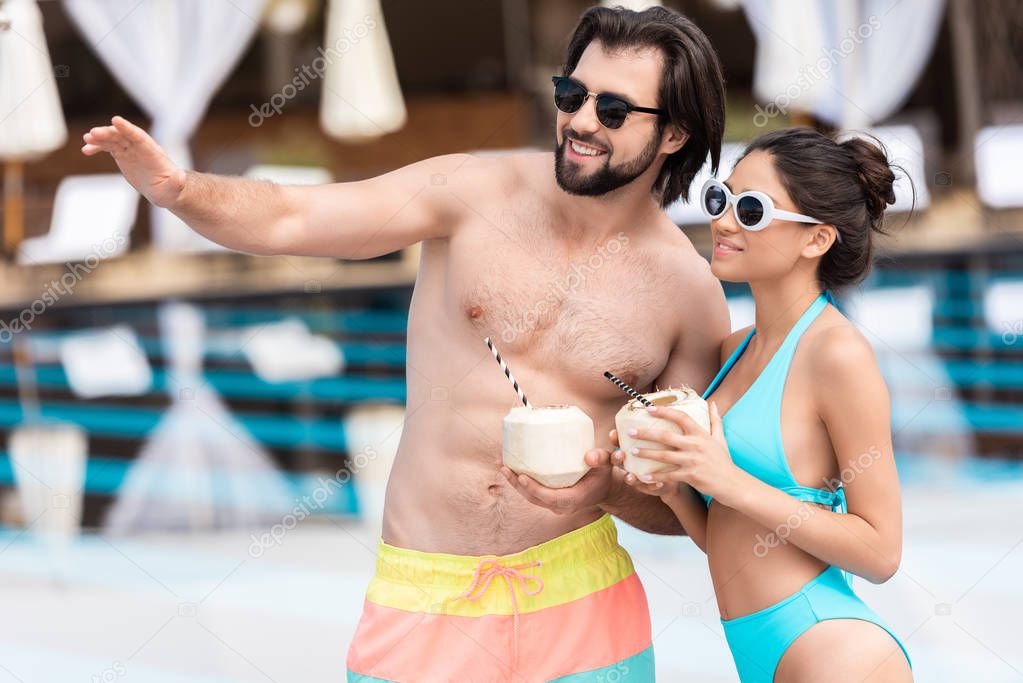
(634, 415)
(548, 443)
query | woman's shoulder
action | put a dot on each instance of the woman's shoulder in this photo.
(845, 378)
(838, 350)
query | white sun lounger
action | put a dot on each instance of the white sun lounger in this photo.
(92, 218)
(997, 153)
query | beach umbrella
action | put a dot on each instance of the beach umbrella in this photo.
(361, 97)
(31, 120)
(287, 16)
(283, 22)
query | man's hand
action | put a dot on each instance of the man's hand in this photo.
(144, 164)
(589, 492)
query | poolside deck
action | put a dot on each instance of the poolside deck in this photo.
(168, 609)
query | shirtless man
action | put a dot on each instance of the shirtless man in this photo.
(502, 239)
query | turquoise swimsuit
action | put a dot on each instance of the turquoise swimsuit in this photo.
(752, 427)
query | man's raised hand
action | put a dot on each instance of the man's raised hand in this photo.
(143, 163)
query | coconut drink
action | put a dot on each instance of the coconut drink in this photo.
(548, 443)
(634, 415)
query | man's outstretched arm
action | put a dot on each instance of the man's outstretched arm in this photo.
(354, 220)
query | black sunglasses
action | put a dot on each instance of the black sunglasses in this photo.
(569, 97)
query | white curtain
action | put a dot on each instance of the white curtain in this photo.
(851, 63)
(171, 56)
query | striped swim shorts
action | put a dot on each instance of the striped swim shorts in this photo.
(570, 610)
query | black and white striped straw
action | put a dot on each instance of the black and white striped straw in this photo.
(627, 389)
(507, 373)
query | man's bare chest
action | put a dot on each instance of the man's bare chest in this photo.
(572, 311)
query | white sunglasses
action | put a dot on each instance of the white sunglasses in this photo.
(753, 210)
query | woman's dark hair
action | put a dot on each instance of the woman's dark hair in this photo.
(846, 184)
(691, 90)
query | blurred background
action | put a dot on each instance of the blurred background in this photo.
(197, 440)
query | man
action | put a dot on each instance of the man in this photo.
(571, 266)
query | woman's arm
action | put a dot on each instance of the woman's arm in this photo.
(853, 403)
(691, 511)
(682, 499)
(848, 541)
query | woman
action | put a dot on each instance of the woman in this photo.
(797, 476)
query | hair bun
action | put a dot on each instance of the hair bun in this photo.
(875, 173)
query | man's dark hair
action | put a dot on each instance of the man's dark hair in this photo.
(691, 91)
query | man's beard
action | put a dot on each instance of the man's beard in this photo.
(606, 178)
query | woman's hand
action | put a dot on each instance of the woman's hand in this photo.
(663, 490)
(701, 458)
